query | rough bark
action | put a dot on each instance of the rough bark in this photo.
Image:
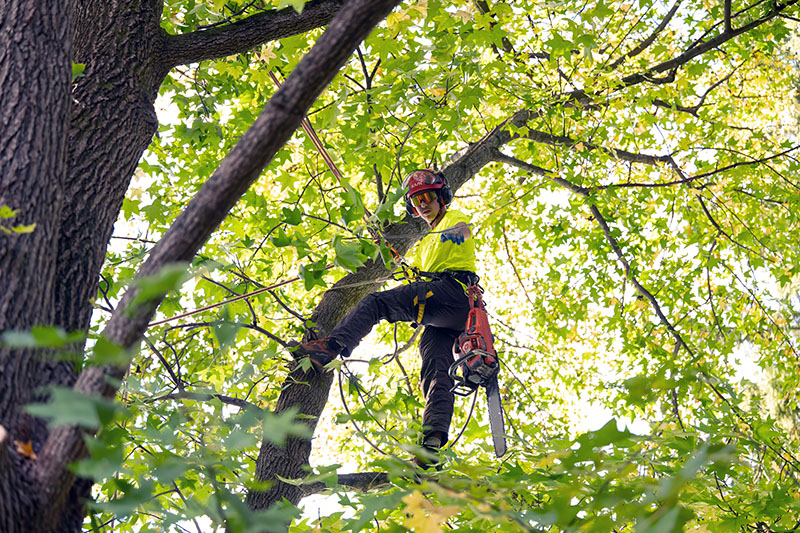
(280, 117)
(74, 195)
(35, 75)
(127, 56)
(221, 41)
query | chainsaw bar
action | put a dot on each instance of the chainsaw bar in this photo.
(496, 420)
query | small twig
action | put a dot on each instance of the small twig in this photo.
(182, 497)
(286, 308)
(175, 379)
(352, 420)
(514, 267)
(675, 397)
(722, 231)
(204, 397)
(650, 38)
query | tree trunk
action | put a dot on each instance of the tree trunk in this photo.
(35, 75)
(67, 155)
(112, 122)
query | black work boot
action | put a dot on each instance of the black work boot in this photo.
(430, 456)
(319, 352)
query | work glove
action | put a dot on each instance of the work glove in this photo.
(455, 236)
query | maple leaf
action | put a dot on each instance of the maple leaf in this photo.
(26, 449)
(424, 516)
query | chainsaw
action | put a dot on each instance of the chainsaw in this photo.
(477, 365)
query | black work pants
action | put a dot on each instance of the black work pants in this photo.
(444, 318)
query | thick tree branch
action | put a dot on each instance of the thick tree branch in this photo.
(240, 36)
(727, 9)
(240, 168)
(563, 140)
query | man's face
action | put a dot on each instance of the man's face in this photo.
(427, 205)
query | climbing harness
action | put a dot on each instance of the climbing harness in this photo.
(411, 274)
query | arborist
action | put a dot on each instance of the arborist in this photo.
(445, 263)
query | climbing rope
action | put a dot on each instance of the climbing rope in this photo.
(261, 291)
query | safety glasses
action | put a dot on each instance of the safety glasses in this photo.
(425, 197)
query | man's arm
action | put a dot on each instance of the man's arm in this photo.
(456, 234)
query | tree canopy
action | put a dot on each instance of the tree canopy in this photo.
(631, 172)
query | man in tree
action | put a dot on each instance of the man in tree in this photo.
(446, 259)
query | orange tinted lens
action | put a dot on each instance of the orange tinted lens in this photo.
(423, 198)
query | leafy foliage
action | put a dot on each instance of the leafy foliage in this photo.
(637, 240)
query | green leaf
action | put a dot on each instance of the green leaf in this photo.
(40, 337)
(169, 278)
(312, 275)
(77, 70)
(225, 331)
(105, 352)
(280, 239)
(277, 428)
(348, 255)
(68, 407)
(132, 497)
(7, 212)
(292, 217)
(297, 5)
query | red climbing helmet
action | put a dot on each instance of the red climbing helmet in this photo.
(423, 180)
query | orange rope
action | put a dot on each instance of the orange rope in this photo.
(309, 129)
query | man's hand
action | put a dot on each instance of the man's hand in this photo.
(457, 234)
(454, 235)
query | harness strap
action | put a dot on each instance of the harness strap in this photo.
(419, 301)
(407, 272)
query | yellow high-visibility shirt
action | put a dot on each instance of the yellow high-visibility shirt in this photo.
(433, 255)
